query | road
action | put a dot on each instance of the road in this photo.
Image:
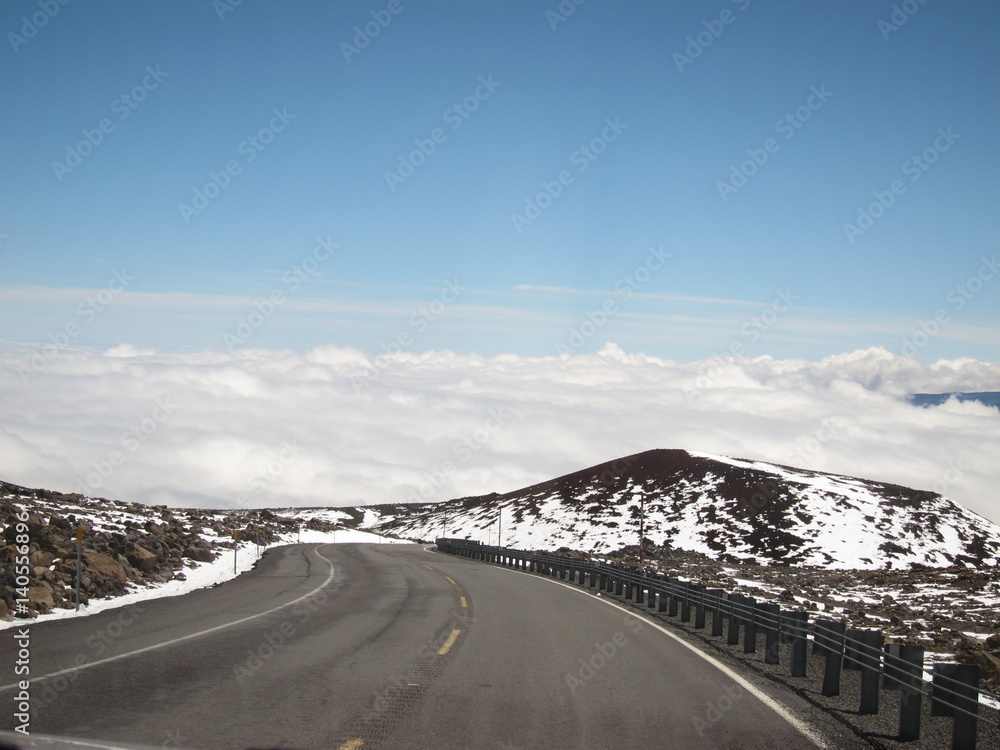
(390, 646)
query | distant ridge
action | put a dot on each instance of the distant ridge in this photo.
(729, 508)
(989, 398)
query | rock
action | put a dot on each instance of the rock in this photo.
(40, 595)
(42, 558)
(199, 554)
(142, 559)
(102, 564)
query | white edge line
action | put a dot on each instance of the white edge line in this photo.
(183, 638)
(779, 708)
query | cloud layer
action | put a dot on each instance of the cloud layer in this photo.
(334, 426)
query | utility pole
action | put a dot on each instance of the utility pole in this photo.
(499, 526)
(642, 527)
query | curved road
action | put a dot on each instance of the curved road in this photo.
(390, 646)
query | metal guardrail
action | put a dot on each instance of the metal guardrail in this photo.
(953, 690)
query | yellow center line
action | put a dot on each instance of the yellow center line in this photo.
(352, 744)
(428, 567)
(465, 604)
(449, 643)
(449, 580)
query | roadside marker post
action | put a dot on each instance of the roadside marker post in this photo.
(236, 546)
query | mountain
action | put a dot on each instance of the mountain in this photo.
(987, 398)
(728, 508)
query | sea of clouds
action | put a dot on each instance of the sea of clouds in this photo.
(334, 426)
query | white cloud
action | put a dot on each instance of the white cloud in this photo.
(268, 427)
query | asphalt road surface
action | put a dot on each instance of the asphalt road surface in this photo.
(346, 647)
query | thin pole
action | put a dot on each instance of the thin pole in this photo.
(642, 525)
(79, 563)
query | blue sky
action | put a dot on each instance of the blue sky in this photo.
(435, 257)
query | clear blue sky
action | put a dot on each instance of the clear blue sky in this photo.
(222, 72)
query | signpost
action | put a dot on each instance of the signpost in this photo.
(236, 546)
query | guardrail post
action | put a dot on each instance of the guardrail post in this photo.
(893, 671)
(966, 702)
(654, 585)
(909, 676)
(798, 622)
(830, 637)
(640, 588)
(699, 605)
(685, 593)
(785, 625)
(772, 624)
(852, 648)
(715, 603)
(871, 658)
(750, 625)
(733, 603)
(943, 679)
(663, 589)
(675, 587)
